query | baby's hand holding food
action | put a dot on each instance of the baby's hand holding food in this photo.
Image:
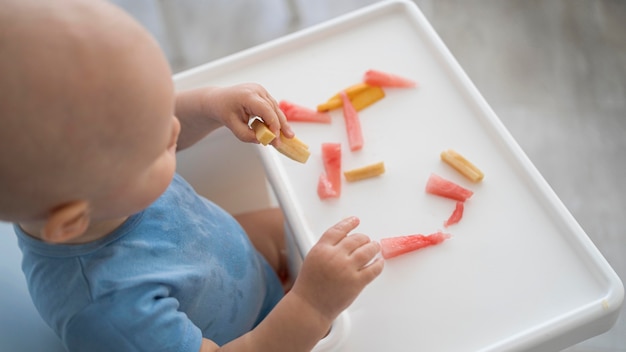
(337, 269)
(235, 105)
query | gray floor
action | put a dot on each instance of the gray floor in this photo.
(554, 72)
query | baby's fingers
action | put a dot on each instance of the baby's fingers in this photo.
(268, 109)
(354, 241)
(279, 121)
(365, 253)
(372, 270)
(369, 263)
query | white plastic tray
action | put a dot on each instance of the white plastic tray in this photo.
(519, 272)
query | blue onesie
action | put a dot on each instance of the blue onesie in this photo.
(179, 270)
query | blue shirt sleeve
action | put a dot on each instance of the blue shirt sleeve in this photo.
(138, 319)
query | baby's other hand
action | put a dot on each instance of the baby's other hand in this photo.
(337, 269)
(235, 105)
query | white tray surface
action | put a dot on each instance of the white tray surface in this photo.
(518, 272)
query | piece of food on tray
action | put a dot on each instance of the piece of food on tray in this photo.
(462, 165)
(335, 101)
(395, 246)
(362, 95)
(368, 171)
(329, 183)
(385, 79)
(262, 132)
(456, 215)
(367, 97)
(353, 124)
(298, 113)
(438, 185)
(325, 188)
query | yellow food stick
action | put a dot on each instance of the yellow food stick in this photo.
(295, 141)
(293, 148)
(462, 165)
(364, 172)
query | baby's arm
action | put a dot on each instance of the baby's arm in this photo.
(202, 110)
(333, 274)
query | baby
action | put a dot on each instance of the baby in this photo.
(119, 252)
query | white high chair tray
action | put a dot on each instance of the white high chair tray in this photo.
(518, 274)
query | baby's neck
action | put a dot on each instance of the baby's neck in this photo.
(95, 231)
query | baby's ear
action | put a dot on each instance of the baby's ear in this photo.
(66, 222)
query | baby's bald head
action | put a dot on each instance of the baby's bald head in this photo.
(75, 95)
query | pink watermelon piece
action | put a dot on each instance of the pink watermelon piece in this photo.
(395, 246)
(438, 185)
(456, 215)
(385, 79)
(298, 113)
(329, 183)
(353, 123)
(325, 188)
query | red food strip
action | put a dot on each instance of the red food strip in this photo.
(440, 186)
(395, 246)
(298, 113)
(325, 188)
(329, 184)
(384, 79)
(456, 215)
(353, 124)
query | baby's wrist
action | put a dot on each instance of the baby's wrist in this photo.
(209, 102)
(308, 306)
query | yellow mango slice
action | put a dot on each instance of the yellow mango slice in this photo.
(368, 95)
